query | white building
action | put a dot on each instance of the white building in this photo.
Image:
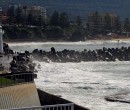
(37, 11)
(1, 40)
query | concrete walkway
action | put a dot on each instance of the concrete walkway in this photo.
(5, 61)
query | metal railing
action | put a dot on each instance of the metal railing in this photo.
(11, 79)
(69, 106)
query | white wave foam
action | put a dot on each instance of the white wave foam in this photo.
(105, 78)
(65, 78)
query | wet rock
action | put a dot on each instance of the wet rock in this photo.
(110, 54)
(123, 98)
(86, 88)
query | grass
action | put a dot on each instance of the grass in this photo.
(6, 82)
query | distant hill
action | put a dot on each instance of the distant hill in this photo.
(78, 7)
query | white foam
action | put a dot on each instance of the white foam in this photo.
(85, 83)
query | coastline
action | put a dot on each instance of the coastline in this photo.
(43, 41)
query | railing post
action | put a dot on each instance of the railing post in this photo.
(69, 106)
(72, 107)
(0, 81)
(6, 80)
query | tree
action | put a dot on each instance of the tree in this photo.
(107, 23)
(29, 19)
(78, 21)
(64, 20)
(25, 14)
(94, 20)
(19, 16)
(78, 35)
(117, 25)
(40, 21)
(11, 14)
(126, 25)
(55, 19)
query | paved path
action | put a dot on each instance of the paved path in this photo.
(5, 61)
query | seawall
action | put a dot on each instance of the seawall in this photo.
(50, 99)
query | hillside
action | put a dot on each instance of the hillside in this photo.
(79, 7)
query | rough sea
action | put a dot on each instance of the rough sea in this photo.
(84, 83)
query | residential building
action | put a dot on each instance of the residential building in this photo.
(101, 19)
(37, 11)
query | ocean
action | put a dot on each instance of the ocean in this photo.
(84, 83)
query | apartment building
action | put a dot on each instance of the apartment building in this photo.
(37, 11)
(101, 19)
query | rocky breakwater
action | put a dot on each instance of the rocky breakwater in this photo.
(105, 54)
(22, 62)
(122, 97)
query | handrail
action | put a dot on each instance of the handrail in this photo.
(18, 73)
(69, 106)
(11, 79)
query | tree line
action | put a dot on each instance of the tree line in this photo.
(58, 26)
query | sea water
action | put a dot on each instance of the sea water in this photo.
(84, 83)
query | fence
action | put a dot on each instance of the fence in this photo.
(15, 79)
(69, 106)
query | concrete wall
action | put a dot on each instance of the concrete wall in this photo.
(50, 99)
(24, 95)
